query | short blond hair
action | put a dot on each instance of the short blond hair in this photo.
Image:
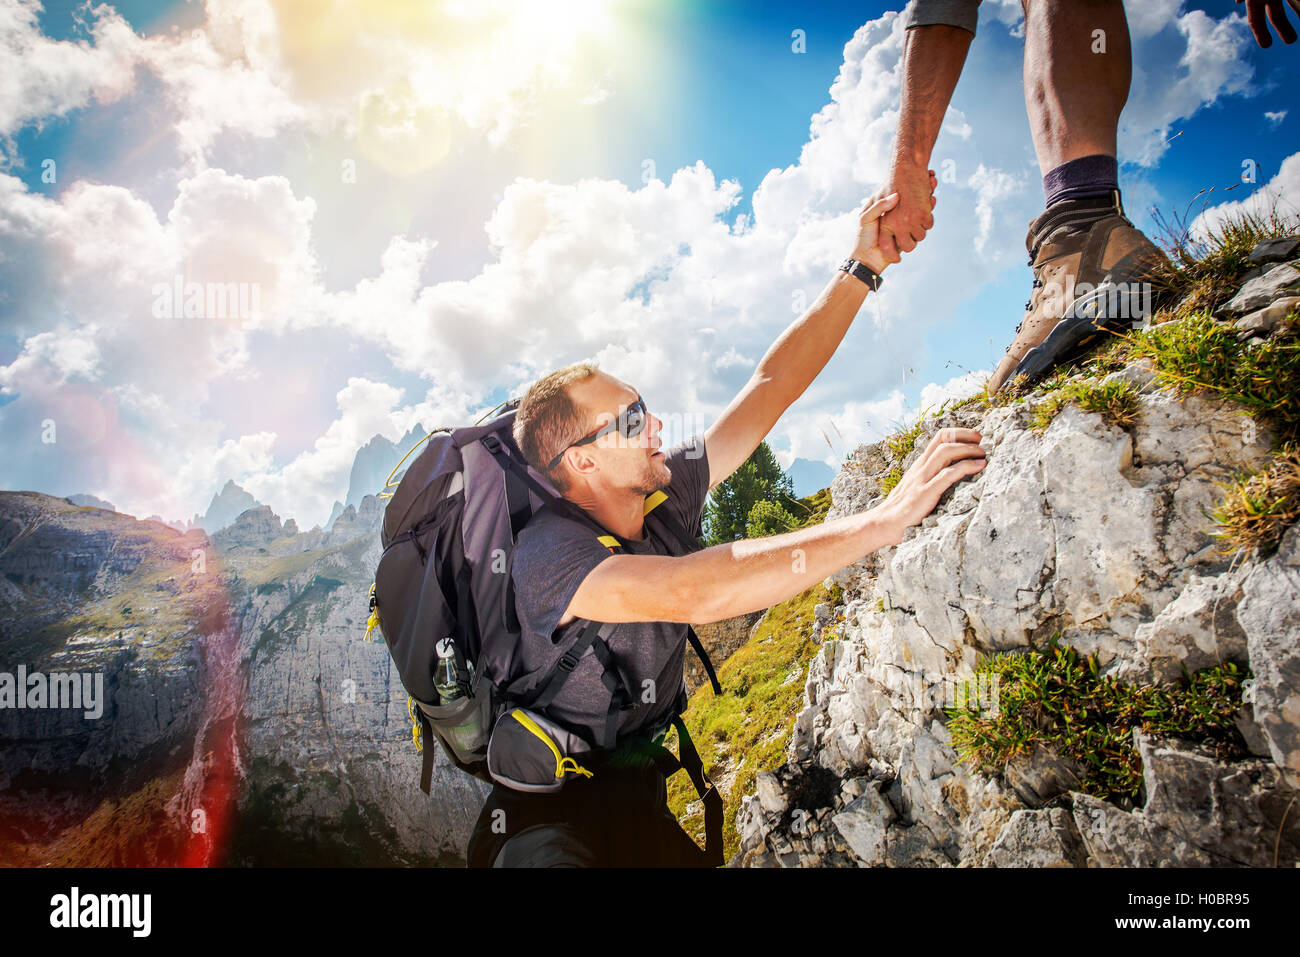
(549, 421)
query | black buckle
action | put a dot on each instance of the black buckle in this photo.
(567, 662)
(491, 443)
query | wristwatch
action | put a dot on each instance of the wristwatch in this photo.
(864, 272)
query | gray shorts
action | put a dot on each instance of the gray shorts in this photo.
(953, 13)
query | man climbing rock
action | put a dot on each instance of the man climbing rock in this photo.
(1077, 71)
(593, 436)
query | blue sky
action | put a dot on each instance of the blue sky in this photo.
(500, 223)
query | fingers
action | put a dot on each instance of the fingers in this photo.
(948, 454)
(878, 207)
(1255, 17)
(954, 473)
(947, 446)
(949, 435)
(1277, 17)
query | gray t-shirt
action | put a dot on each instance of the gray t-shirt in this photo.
(953, 13)
(554, 554)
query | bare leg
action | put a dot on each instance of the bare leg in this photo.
(1074, 95)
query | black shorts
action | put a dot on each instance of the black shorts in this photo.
(618, 818)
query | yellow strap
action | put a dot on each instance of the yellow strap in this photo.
(651, 503)
(373, 621)
(388, 482)
(562, 764)
(417, 733)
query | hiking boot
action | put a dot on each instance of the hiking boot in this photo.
(1093, 273)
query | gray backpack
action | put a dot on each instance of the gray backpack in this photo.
(448, 535)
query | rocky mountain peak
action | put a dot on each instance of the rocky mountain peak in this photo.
(226, 506)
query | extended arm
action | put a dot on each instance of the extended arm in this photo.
(785, 371)
(932, 62)
(738, 577)
(796, 357)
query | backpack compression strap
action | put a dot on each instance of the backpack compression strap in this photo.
(689, 761)
(592, 636)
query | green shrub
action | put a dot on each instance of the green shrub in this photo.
(1057, 699)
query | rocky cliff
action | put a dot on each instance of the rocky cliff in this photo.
(1092, 547)
(331, 772)
(245, 720)
(92, 593)
(373, 464)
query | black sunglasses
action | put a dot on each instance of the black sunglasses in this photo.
(629, 425)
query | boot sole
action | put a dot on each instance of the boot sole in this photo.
(1105, 310)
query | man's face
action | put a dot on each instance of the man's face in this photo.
(637, 463)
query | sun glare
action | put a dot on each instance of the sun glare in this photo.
(430, 74)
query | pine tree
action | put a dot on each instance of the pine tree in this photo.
(760, 478)
(769, 518)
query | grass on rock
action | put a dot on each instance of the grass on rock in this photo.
(747, 728)
(1057, 699)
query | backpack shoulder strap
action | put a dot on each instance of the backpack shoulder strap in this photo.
(592, 636)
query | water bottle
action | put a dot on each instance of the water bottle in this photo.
(446, 677)
(471, 735)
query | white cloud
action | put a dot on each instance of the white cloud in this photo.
(1275, 117)
(959, 387)
(45, 78)
(992, 189)
(121, 383)
(71, 354)
(1211, 63)
(307, 486)
(1280, 195)
(407, 79)
(651, 281)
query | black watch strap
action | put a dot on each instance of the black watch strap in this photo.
(863, 272)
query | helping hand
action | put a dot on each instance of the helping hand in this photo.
(906, 225)
(869, 249)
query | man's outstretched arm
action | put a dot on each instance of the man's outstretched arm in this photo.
(933, 58)
(739, 577)
(794, 360)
